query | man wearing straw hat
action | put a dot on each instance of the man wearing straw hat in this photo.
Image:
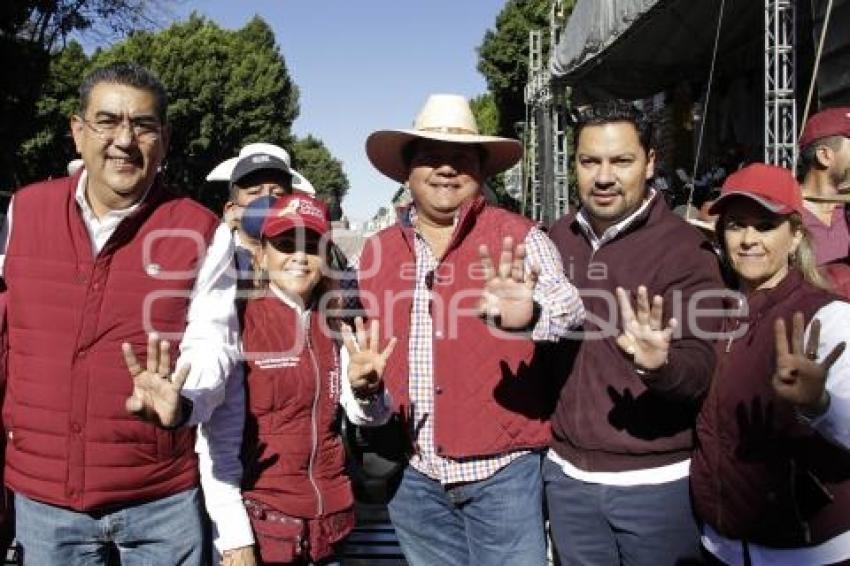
(467, 375)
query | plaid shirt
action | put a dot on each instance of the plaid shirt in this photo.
(561, 310)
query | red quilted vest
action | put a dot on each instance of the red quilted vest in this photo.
(492, 394)
(71, 442)
(293, 456)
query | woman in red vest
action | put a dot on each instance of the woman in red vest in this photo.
(294, 486)
(770, 477)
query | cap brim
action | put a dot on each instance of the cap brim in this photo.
(275, 229)
(384, 149)
(300, 183)
(774, 207)
(223, 170)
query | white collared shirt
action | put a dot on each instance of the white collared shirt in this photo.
(615, 230)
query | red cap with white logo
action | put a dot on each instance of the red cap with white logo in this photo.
(293, 212)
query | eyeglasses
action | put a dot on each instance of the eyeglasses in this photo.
(107, 127)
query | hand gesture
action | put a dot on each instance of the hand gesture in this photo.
(644, 336)
(799, 378)
(242, 556)
(507, 295)
(156, 391)
(366, 362)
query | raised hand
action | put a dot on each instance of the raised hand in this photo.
(799, 378)
(366, 361)
(644, 336)
(507, 295)
(156, 390)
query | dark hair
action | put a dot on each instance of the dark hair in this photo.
(127, 74)
(808, 159)
(615, 110)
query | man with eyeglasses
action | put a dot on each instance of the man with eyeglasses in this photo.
(110, 277)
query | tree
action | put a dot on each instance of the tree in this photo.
(503, 56)
(48, 151)
(326, 174)
(30, 33)
(49, 23)
(486, 114)
(225, 88)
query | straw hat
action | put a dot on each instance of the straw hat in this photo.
(448, 118)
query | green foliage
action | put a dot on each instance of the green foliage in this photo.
(226, 89)
(48, 152)
(31, 97)
(486, 114)
(312, 158)
(503, 57)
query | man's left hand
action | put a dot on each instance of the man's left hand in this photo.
(156, 390)
(507, 297)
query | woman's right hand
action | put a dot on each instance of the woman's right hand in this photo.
(366, 362)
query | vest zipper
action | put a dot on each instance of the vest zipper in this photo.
(314, 428)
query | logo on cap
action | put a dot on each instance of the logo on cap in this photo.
(302, 207)
(261, 158)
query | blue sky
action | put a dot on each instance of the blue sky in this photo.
(364, 65)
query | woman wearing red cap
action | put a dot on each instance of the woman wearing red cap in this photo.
(770, 477)
(296, 493)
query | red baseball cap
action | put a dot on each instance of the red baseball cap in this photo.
(292, 212)
(773, 187)
(826, 123)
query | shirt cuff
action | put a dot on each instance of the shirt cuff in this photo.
(233, 528)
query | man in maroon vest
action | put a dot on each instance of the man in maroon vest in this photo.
(108, 271)
(617, 474)
(824, 175)
(466, 374)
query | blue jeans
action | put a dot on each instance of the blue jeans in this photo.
(498, 520)
(166, 531)
(592, 523)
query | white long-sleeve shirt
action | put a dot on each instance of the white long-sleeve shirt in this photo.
(209, 344)
(220, 439)
(833, 425)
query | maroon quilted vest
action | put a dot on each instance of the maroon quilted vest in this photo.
(758, 473)
(71, 442)
(292, 453)
(492, 394)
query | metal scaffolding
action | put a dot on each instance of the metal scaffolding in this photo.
(780, 104)
(546, 187)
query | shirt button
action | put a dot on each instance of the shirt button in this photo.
(439, 449)
(438, 390)
(11, 435)
(438, 334)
